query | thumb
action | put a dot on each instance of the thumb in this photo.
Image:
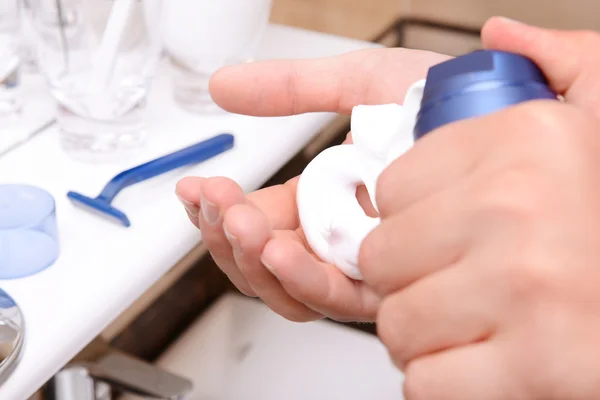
(569, 59)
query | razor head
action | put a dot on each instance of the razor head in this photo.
(99, 207)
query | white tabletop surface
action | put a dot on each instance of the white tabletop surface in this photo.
(103, 268)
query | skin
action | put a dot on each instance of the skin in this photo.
(487, 260)
(256, 239)
(483, 275)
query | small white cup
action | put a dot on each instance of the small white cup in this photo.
(204, 35)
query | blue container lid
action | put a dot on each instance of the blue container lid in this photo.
(28, 232)
(477, 84)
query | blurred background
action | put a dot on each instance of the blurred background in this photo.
(367, 20)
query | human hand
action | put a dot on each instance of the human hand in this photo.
(487, 259)
(266, 254)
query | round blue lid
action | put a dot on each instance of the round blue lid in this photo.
(22, 206)
(477, 84)
(28, 231)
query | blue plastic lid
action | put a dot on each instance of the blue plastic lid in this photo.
(28, 232)
(477, 84)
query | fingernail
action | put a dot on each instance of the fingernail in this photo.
(511, 21)
(233, 241)
(191, 208)
(269, 267)
(210, 212)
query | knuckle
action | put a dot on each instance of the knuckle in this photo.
(517, 204)
(550, 126)
(528, 277)
(292, 88)
(541, 117)
(513, 198)
(392, 321)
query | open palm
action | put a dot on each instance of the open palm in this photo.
(256, 239)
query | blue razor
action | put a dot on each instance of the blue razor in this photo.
(194, 154)
(476, 84)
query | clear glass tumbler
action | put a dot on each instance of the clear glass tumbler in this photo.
(10, 41)
(28, 63)
(204, 35)
(98, 57)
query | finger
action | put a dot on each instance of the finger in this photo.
(420, 240)
(278, 203)
(248, 230)
(217, 195)
(451, 308)
(569, 59)
(449, 156)
(188, 193)
(336, 84)
(472, 372)
(320, 286)
(436, 162)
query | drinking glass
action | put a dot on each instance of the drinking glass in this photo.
(10, 97)
(28, 64)
(204, 35)
(98, 57)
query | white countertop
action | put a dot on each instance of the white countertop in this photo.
(103, 268)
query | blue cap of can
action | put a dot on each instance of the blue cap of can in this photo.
(476, 84)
